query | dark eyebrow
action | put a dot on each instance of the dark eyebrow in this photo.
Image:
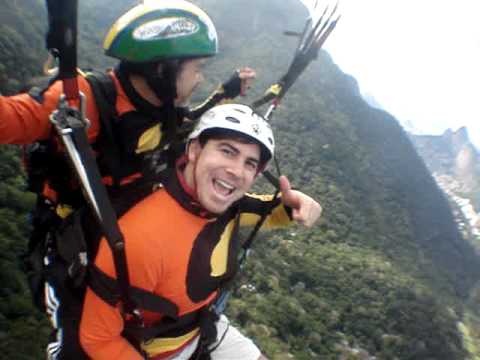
(234, 149)
(230, 146)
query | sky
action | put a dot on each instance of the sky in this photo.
(419, 59)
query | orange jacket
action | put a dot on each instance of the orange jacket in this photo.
(23, 120)
(174, 252)
(137, 131)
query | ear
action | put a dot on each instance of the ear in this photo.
(193, 150)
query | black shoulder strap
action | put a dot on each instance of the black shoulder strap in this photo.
(105, 93)
(105, 84)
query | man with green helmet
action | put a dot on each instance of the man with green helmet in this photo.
(158, 39)
(136, 112)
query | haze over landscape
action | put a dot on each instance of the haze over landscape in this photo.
(418, 59)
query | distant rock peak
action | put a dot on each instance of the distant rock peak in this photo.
(457, 139)
(452, 154)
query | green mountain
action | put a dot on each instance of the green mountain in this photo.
(385, 274)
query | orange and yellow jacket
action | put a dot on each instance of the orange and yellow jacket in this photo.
(177, 251)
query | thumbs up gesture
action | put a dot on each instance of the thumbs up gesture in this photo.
(305, 210)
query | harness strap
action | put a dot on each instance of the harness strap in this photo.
(106, 217)
(62, 20)
(171, 324)
(272, 179)
(166, 328)
(105, 93)
(107, 289)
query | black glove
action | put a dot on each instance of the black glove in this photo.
(233, 86)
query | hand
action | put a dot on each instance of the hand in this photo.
(246, 76)
(239, 82)
(305, 210)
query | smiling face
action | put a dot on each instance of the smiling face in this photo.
(221, 171)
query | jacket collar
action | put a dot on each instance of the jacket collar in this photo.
(178, 188)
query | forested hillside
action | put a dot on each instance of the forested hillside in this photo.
(386, 271)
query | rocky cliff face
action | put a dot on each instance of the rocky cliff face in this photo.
(452, 154)
(455, 164)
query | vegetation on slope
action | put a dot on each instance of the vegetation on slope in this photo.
(384, 274)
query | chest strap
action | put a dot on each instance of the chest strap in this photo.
(170, 326)
(107, 289)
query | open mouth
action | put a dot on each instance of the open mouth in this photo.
(222, 187)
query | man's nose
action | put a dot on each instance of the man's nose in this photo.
(235, 168)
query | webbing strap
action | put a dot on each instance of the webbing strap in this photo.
(274, 181)
(271, 179)
(61, 41)
(106, 216)
(70, 125)
(105, 93)
(170, 328)
(107, 289)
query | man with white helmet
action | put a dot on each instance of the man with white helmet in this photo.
(181, 245)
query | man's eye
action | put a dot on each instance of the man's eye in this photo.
(252, 165)
(227, 151)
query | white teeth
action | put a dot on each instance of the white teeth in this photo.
(225, 185)
(227, 188)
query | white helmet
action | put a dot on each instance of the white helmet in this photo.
(241, 119)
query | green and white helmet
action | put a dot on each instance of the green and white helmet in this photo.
(240, 119)
(159, 30)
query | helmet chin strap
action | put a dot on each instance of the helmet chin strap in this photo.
(163, 81)
(161, 77)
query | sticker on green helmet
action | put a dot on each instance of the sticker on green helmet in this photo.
(167, 28)
(162, 30)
